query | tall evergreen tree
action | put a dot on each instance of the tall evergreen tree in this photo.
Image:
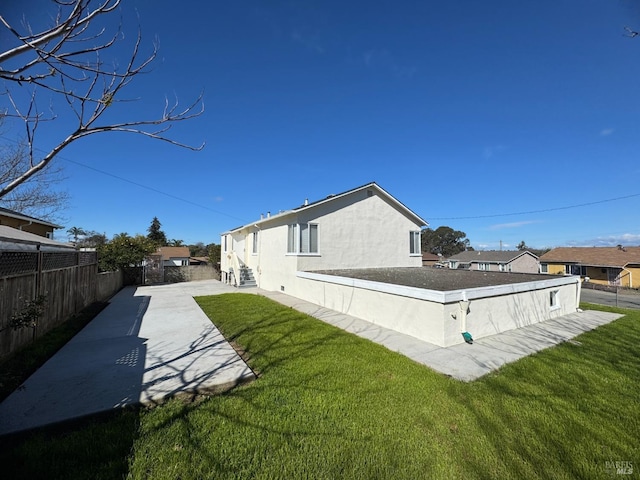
(156, 235)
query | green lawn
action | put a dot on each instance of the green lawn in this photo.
(328, 404)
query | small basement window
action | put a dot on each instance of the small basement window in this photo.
(554, 301)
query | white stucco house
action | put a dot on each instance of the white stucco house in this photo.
(359, 253)
(364, 227)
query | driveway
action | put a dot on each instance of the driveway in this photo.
(622, 299)
(150, 343)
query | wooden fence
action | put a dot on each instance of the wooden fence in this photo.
(67, 280)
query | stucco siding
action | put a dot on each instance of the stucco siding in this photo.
(435, 316)
(525, 264)
(359, 232)
(418, 318)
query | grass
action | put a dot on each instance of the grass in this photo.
(328, 404)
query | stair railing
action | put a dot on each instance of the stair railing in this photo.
(236, 267)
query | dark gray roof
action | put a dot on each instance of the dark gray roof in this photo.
(440, 279)
(490, 256)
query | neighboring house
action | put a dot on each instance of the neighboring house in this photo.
(515, 261)
(12, 239)
(361, 228)
(174, 256)
(26, 223)
(429, 259)
(603, 265)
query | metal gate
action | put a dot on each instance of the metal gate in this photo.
(153, 269)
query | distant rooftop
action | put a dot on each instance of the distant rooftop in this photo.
(595, 256)
(489, 255)
(27, 218)
(440, 279)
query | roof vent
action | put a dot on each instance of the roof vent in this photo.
(620, 247)
(306, 202)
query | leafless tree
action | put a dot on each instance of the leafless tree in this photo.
(40, 195)
(64, 62)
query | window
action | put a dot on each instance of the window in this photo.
(291, 239)
(185, 263)
(553, 299)
(224, 247)
(502, 267)
(484, 266)
(579, 270)
(254, 243)
(544, 268)
(303, 238)
(414, 243)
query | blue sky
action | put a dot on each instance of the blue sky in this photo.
(489, 117)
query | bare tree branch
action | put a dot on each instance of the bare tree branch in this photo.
(64, 61)
(37, 196)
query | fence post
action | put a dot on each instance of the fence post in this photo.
(39, 274)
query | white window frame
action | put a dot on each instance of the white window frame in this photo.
(254, 243)
(484, 266)
(544, 268)
(224, 243)
(554, 300)
(415, 249)
(300, 239)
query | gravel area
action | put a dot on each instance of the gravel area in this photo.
(440, 279)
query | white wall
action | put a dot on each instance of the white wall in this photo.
(429, 315)
(354, 231)
(412, 316)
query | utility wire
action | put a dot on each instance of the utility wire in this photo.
(137, 184)
(545, 210)
(471, 217)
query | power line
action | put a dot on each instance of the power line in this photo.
(471, 217)
(545, 210)
(141, 185)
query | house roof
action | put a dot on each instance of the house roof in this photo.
(10, 213)
(330, 198)
(14, 239)
(495, 256)
(173, 252)
(594, 256)
(428, 257)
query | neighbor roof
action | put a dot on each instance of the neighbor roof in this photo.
(173, 252)
(498, 256)
(10, 213)
(333, 197)
(594, 256)
(14, 239)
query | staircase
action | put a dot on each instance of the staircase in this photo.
(247, 279)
